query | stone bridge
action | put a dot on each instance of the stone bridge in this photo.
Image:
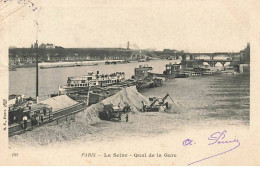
(229, 55)
(213, 63)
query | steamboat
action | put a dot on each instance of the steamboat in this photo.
(91, 79)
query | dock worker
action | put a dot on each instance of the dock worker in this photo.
(37, 120)
(119, 116)
(144, 106)
(167, 105)
(126, 117)
(126, 108)
(14, 119)
(41, 119)
(25, 122)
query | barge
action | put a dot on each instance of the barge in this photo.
(67, 65)
(145, 79)
(84, 82)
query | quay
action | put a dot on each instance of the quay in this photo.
(94, 88)
(55, 109)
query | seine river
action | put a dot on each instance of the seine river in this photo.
(207, 98)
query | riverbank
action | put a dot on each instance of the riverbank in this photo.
(219, 100)
(215, 101)
(64, 64)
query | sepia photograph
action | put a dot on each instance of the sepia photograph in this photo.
(127, 82)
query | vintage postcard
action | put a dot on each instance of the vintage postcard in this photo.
(129, 83)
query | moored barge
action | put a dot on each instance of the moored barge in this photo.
(84, 82)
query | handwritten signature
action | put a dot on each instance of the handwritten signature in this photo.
(215, 138)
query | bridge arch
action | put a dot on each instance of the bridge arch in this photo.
(202, 56)
(221, 57)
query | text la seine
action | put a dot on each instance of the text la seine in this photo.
(129, 155)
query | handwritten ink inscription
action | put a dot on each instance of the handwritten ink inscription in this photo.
(187, 142)
(217, 138)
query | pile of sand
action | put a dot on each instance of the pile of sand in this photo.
(130, 96)
(59, 102)
(84, 121)
(176, 108)
(90, 114)
(82, 125)
(47, 134)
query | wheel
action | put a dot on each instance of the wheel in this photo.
(106, 113)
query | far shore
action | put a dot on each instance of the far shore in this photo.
(27, 65)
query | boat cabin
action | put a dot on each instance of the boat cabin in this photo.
(92, 79)
(142, 72)
(172, 69)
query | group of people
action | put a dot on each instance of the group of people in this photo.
(126, 110)
(35, 120)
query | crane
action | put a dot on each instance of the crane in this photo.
(154, 107)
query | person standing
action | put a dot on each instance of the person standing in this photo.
(167, 105)
(41, 119)
(14, 119)
(37, 120)
(144, 106)
(25, 122)
(126, 117)
(119, 116)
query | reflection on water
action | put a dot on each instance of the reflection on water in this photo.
(207, 98)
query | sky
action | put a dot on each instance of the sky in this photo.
(193, 26)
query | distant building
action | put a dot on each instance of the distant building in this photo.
(245, 55)
(170, 51)
(47, 46)
(244, 66)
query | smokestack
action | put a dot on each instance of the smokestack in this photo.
(127, 45)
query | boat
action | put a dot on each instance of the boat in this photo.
(67, 65)
(208, 73)
(143, 60)
(145, 79)
(49, 66)
(90, 64)
(26, 114)
(148, 83)
(116, 62)
(84, 82)
(182, 75)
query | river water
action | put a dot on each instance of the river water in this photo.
(221, 98)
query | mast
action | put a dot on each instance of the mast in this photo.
(37, 73)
